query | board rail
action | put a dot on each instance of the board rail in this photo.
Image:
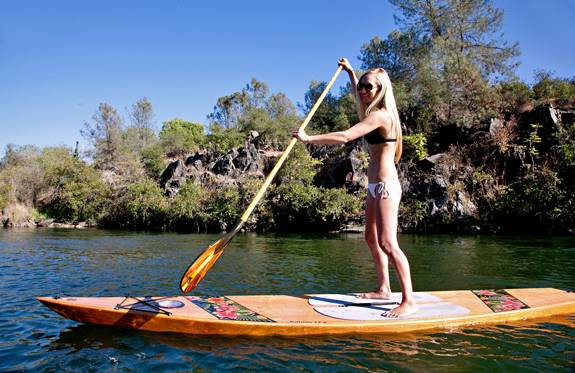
(293, 316)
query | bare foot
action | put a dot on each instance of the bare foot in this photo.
(403, 309)
(375, 295)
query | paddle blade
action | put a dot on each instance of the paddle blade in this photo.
(198, 269)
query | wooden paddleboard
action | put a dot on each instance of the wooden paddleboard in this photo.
(312, 314)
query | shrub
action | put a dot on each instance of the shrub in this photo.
(412, 214)
(186, 209)
(4, 190)
(513, 95)
(548, 87)
(153, 160)
(307, 207)
(223, 139)
(336, 206)
(80, 194)
(534, 204)
(300, 167)
(261, 218)
(415, 146)
(145, 205)
(566, 138)
(222, 208)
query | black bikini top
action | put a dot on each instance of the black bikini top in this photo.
(374, 137)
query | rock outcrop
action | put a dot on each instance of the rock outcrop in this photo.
(214, 170)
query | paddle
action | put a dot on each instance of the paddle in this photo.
(198, 269)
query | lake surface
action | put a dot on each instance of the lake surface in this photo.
(45, 262)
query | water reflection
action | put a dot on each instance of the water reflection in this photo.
(104, 263)
(520, 345)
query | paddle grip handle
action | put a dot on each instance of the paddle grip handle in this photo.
(286, 152)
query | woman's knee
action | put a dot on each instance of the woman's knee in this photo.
(388, 246)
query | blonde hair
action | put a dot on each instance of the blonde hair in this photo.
(384, 100)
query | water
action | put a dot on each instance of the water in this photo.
(111, 263)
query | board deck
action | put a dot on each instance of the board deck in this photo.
(312, 314)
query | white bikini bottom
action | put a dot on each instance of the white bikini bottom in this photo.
(381, 189)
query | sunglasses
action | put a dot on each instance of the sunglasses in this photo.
(367, 86)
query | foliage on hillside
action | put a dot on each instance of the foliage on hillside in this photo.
(453, 76)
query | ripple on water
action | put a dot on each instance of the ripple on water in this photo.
(100, 263)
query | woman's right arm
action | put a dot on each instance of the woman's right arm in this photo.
(372, 121)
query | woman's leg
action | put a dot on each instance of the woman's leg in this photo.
(386, 213)
(380, 260)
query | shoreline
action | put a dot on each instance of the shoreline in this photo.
(353, 230)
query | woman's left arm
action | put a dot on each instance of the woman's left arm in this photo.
(344, 63)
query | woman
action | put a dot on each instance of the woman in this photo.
(380, 127)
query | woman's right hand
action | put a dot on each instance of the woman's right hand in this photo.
(300, 134)
(343, 62)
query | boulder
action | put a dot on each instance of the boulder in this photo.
(463, 206)
(249, 160)
(173, 177)
(429, 163)
(346, 170)
(199, 160)
(567, 116)
(225, 164)
(548, 118)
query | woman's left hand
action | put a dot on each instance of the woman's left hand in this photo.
(300, 134)
(344, 63)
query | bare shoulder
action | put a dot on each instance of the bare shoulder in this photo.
(381, 116)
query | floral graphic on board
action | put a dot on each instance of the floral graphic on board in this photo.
(499, 300)
(226, 309)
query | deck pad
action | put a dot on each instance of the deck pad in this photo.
(500, 300)
(374, 313)
(226, 309)
(322, 300)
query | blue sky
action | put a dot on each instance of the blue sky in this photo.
(60, 59)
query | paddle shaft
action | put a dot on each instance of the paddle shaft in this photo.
(286, 152)
(198, 269)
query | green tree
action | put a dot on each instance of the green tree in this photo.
(230, 109)
(223, 139)
(470, 29)
(513, 95)
(273, 121)
(179, 136)
(331, 115)
(22, 175)
(444, 56)
(105, 134)
(398, 54)
(566, 138)
(252, 109)
(536, 203)
(140, 133)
